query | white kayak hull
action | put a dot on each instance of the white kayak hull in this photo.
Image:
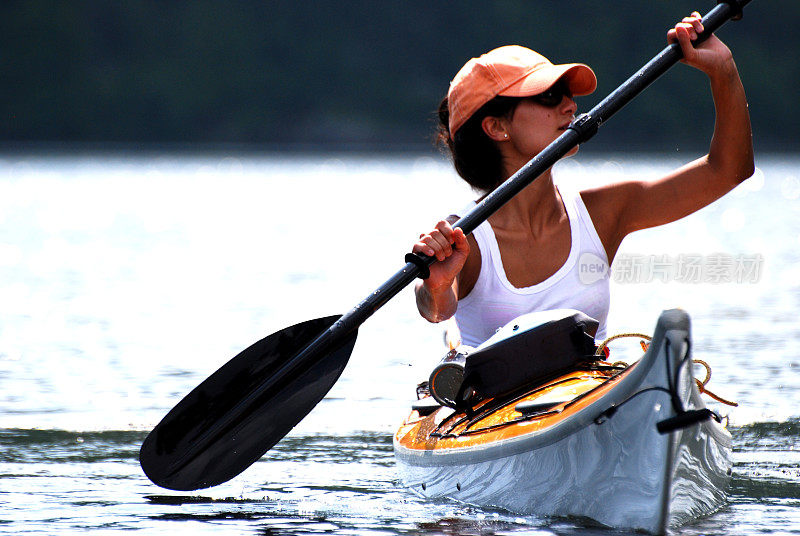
(622, 473)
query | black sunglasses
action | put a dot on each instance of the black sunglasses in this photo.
(553, 96)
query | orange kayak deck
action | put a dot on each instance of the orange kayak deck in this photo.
(497, 420)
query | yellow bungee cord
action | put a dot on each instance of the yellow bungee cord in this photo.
(701, 385)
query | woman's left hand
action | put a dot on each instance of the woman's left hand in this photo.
(711, 56)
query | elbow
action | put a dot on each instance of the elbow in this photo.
(735, 177)
(434, 317)
(435, 313)
(431, 309)
(744, 172)
(735, 170)
(745, 166)
(750, 169)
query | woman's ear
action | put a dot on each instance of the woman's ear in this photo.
(495, 128)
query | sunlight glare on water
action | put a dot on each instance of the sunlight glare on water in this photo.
(126, 280)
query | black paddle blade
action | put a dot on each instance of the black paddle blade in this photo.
(230, 420)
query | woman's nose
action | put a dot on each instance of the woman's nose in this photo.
(568, 105)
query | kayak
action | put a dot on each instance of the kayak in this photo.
(630, 447)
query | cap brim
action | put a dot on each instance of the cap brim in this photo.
(580, 77)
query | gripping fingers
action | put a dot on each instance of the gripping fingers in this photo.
(690, 27)
(437, 243)
(693, 23)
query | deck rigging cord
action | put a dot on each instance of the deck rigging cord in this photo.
(701, 385)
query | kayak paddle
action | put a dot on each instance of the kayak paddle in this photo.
(242, 410)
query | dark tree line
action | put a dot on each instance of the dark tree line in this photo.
(359, 74)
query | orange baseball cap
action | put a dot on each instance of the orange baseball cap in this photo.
(510, 71)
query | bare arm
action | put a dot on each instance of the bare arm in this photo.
(437, 296)
(623, 208)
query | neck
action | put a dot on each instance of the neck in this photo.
(537, 206)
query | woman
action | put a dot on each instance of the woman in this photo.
(504, 108)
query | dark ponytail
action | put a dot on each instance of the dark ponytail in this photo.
(476, 157)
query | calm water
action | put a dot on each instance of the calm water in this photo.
(125, 281)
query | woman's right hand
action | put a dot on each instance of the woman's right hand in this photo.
(451, 249)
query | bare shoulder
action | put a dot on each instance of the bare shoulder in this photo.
(605, 205)
(608, 196)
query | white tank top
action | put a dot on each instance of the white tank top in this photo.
(581, 283)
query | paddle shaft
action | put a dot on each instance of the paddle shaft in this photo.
(249, 404)
(581, 130)
(244, 408)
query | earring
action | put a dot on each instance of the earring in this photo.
(505, 136)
